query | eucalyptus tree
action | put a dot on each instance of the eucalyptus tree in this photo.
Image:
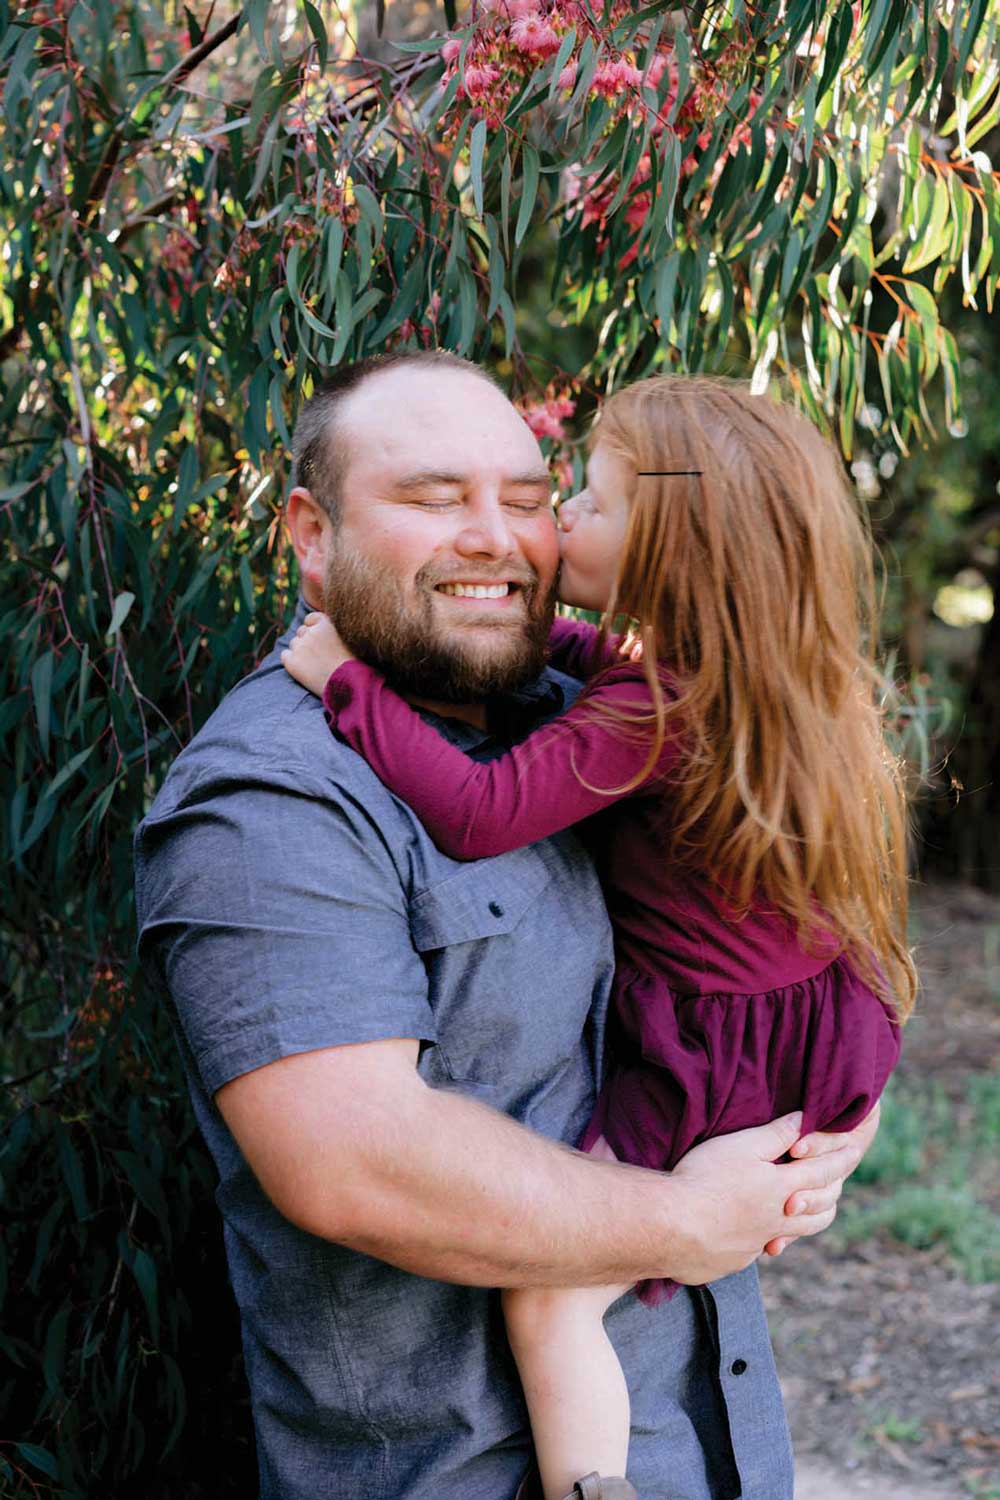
(201, 215)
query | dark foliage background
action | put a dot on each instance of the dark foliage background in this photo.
(203, 212)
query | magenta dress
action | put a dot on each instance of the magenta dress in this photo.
(716, 1024)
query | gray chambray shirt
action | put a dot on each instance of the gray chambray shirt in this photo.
(288, 902)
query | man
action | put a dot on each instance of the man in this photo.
(386, 1049)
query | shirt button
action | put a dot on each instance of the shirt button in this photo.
(496, 908)
(738, 1367)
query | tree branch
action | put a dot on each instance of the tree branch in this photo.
(170, 80)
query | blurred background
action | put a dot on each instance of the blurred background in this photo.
(204, 210)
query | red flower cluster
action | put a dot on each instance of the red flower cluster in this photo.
(546, 417)
(702, 105)
(510, 40)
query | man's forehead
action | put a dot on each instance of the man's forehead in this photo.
(439, 421)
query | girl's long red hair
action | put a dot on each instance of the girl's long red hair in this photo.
(753, 583)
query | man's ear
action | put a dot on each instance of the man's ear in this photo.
(311, 531)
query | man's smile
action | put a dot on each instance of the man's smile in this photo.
(478, 592)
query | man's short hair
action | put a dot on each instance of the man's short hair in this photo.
(319, 449)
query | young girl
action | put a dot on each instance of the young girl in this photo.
(754, 861)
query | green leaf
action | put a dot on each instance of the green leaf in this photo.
(318, 29)
(562, 57)
(660, 222)
(317, 324)
(467, 307)
(264, 158)
(72, 1173)
(426, 44)
(143, 1268)
(505, 184)
(41, 692)
(345, 295)
(123, 603)
(39, 1458)
(477, 146)
(16, 81)
(666, 285)
(257, 14)
(292, 272)
(530, 167)
(54, 1353)
(69, 769)
(837, 41)
(509, 317)
(371, 213)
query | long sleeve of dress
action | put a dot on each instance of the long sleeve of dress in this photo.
(573, 648)
(562, 773)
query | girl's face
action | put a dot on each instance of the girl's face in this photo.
(592, 532)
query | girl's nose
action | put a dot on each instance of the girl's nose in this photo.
(567, 514)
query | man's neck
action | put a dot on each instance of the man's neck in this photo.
(469, 713)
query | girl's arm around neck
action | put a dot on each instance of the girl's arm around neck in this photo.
(573, 648)
(562, 773)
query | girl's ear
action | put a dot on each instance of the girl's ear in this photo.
(311, 533)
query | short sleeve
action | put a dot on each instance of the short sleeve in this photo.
(278, 923)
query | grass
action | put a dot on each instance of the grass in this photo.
(925, 1181)
(895, 1428)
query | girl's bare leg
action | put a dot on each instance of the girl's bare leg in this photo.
(576, 1393)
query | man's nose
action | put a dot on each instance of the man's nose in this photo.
(486, 531)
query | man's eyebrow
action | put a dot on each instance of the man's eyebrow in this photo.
(425, 478)
(533, 476)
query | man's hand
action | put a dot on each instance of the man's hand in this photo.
(316, 651)
(735, 1188)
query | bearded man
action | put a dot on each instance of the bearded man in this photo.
(391, 1054)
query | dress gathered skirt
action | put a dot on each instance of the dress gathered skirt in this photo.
(684, 1068)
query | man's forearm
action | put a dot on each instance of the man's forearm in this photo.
(351, 1145)
(487, 1202)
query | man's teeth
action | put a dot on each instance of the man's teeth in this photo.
(476, 590)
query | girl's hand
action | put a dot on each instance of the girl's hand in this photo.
(315, 652)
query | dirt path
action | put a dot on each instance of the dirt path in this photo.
(819, 1482)
(889, 1353)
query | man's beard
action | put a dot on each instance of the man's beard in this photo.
(420, 657)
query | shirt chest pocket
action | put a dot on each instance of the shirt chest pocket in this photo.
(479, 934)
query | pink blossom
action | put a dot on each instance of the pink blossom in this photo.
(451, 49)
(544, 422)
(638, 210)
(567, 78)
(477, 81)
(657, 67)
(521, 8)
(532, 34)
(595, 206)
(612, 78)
(545, 418)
